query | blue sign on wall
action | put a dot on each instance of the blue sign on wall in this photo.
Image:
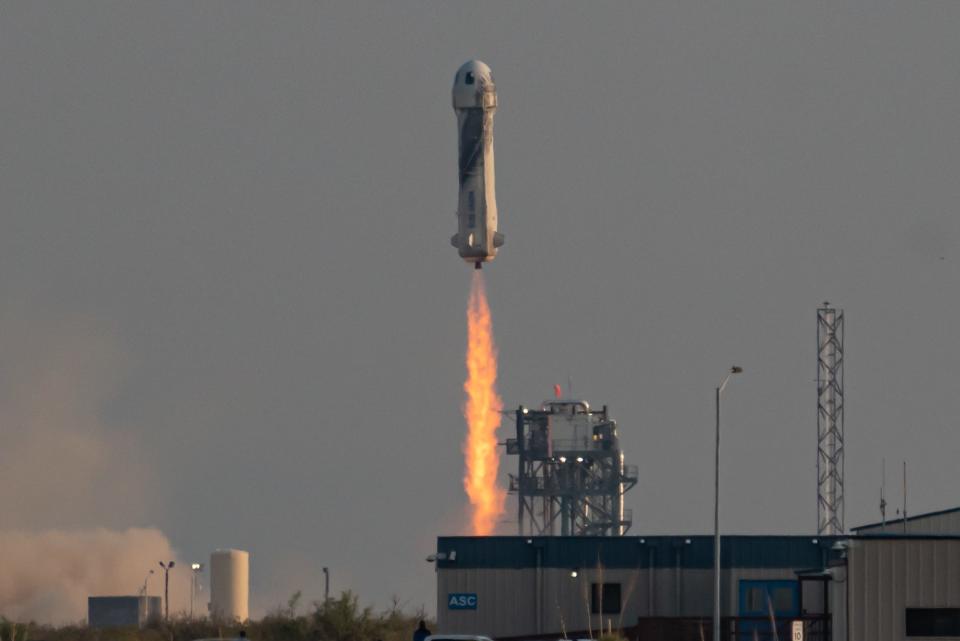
(462, 601)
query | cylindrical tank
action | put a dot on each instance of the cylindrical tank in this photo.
(230, 585)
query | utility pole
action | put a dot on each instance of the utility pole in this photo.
(166, 588)
(326, 585)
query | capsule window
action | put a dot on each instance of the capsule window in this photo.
(468, 78)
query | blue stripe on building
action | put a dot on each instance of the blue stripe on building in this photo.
(518, 552)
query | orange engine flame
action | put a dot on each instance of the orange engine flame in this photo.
(482, 411)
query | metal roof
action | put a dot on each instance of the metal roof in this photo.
(915, 517)
(744, 551)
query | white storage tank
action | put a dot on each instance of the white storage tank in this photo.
(230, 585)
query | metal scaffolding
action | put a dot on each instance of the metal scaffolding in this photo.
(570, 477)
(830, 453)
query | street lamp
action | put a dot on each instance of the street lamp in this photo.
(716, 511)
(195, 587)
(166, 587)
(143, 591)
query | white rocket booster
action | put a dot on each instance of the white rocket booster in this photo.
(475, 102)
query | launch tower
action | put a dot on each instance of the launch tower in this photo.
(570, 477)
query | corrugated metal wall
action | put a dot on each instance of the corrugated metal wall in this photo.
(506, 601)
(508, 605)
(659, 576)
(887, 575)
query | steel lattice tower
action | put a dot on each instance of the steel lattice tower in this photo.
(830, 451)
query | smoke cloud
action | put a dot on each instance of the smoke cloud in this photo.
(62, 464)
(71, 482)
(48, 575)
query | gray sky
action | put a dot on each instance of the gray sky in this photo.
(226, 272)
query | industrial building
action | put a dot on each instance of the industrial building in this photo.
(123, 611)
(547, 586)
(878, 584)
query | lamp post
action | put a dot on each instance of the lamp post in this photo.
(196, 568)
(143, 591)
(166, 587)
(716, 510)
(326, 586)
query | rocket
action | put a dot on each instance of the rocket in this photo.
(475, 102)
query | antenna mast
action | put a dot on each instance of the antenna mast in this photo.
(883, 499)
(830, 453)
(904, 497)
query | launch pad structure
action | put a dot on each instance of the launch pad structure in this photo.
(571, 477)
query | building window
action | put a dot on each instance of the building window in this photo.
(933, 622)
(469, 78)
(782, 599)
(759, 598)
(755, 600)
(606, 595)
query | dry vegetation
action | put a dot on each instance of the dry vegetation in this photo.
(339, 619)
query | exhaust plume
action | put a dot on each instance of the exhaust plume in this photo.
(482, 412)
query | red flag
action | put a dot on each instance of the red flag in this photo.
(557, 391)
